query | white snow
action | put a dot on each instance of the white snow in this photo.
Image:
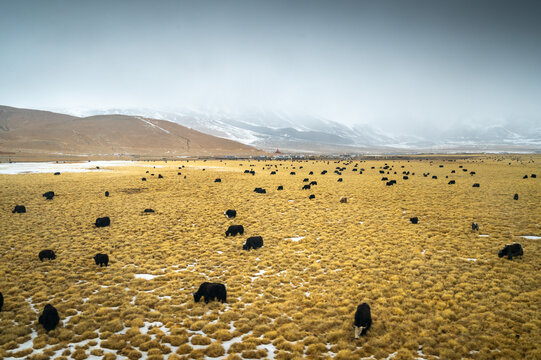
(257, 274)
(153, 125)
(295, 238)
(483, 235)
(532, 237)
(145, 276)
(51, 167)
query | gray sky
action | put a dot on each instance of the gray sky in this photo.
(393, 62)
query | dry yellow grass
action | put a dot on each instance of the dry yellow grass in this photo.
(296, 296)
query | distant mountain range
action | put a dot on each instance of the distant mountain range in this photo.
(305, 133)
(24, 131)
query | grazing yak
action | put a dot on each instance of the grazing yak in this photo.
(107, 194)
(148, 211)
(273, 173)
(474, 226)
(343, 200)
(56, 173)
(246, 171)
(525, 177)
(210, 291)
(292, 173)
(234, 230)
(161, 177)
(253, 242)
(260, 190)
(311, 173)
(452, 182)
(311, 197)
(339, 179)
(49, 318)
(306, 187)
(475, 185)
(405, 177)
(384, 179)
(218, 180)
(533, 176)
(48, 195)
(313, 183)
(390, 183)
(511, 250)
(434, 177)
(46, 254)
(280, 187)
(323, 172)
(143, 179)
(363, 320)
(101, 259)
(230, 213)
(305, 180)
(515, 197)
(19, 209)
(414, 220)
(102, 222)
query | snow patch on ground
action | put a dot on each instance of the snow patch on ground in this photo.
(532, 237)
(145, 276)
(50, 167)
(295, 238)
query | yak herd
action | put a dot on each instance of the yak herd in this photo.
(49, 318)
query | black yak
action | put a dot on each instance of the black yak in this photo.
(511, 250)
(19, 209)
(102, 222)
(253, 242)
(234, 230)
(48, 195)
(49, 318)
(46, 254)
(101, 259)
(414, 220)
(210, 291)
(230, 213)
(363, 320)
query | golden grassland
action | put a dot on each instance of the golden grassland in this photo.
(436, 289)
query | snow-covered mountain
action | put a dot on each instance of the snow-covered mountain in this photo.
(272, 130)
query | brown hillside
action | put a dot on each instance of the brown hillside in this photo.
(48, 133)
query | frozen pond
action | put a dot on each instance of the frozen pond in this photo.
(51, 167)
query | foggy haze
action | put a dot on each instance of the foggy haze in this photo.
(397, 64)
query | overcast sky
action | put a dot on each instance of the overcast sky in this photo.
(394, 62)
